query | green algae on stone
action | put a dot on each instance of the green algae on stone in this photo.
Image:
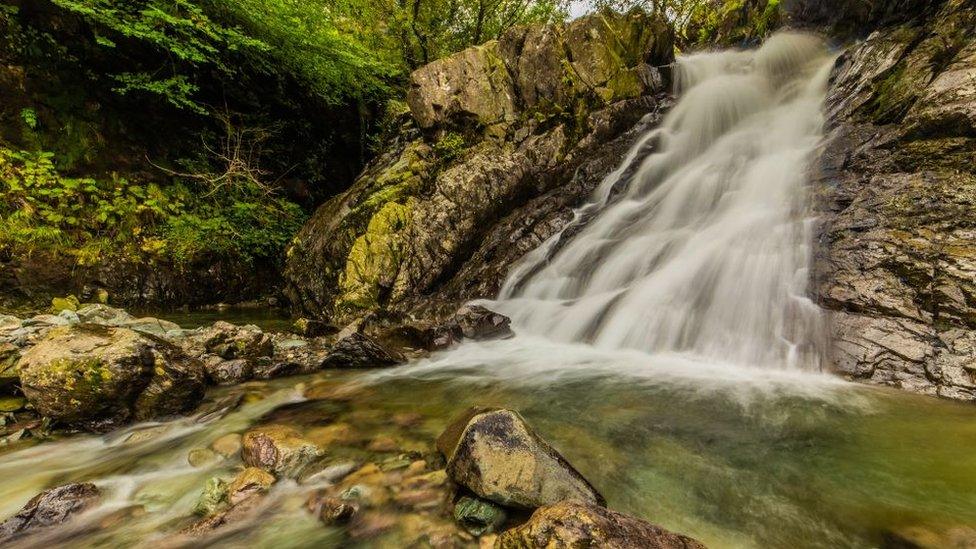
(96, 376)
(375, 257)
(479, 517)
(68, 303)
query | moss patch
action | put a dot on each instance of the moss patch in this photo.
(374, 260)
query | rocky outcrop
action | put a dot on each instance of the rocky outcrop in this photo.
(359, 351)
(496, 455)
(569, 524)
(49, 508)
(896, 190)
(506, 139)
(97, 377)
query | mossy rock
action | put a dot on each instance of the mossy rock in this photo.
(96, 377)
(68, 303)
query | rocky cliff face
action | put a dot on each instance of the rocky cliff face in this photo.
(504, 139)
(896, 265)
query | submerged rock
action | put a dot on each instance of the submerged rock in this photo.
(331, 510)
(359, 351)
(278, 449)
(477, 516)
(228, 445)
(496, 455)
(96, 377)
(49, 508)
(570, 524)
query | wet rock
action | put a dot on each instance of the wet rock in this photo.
(570, 524)
(477, 516)
(359, 351)
(212, 498)
(278, 449)
(228, 445)
(230, 341)
(476, 322)
(248, 509)
(49, 508)
(496, 455)
(95, 376)
(201, 457)
(469, 322)
(248, 482)
(228, 372)
(306, 327)
(331, 510)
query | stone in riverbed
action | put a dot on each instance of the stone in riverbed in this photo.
(201, 457)
(496, 455)
(230, 341)
(469, 322)
(97, 377)
(479, 323)
(248, 482)
(330, 509)
(570, 524)
(228, 372)
(228, 445)
(359, 351)
(278, 449)
(49, 508)
(477, 516)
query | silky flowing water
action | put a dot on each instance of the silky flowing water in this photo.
(664, 345)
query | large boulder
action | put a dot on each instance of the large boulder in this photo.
(49, 508)
(501, 124)
(496, 455)
(570, 524)
(97, 377)
(359, 351)
(230, 341)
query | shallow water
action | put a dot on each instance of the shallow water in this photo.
(736, 457)
(269, 319)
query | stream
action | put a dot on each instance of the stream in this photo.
(736, 457)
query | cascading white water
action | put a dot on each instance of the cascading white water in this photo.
(699, 242)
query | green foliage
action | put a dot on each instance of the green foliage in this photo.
(416, 32)
(29, 116)
(96, 220)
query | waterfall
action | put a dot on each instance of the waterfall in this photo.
(700, 241)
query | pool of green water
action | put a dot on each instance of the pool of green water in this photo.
(269, 319)
(733, 457)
